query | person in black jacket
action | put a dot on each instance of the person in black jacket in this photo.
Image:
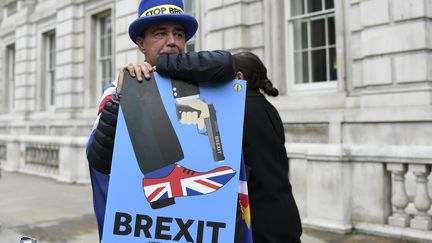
(274, 214)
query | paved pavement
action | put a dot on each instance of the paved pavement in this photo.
(55, 212)
(45, 209)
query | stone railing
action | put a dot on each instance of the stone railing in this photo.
(62, 158)
(414, 213)
(42, 157)
(374, 189)
(42, 154)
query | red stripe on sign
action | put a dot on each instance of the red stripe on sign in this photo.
(215, 187)
(154, 194)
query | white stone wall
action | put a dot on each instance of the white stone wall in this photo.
(126, 50)
(70, 56)
(382, 99)
(2, 74)
(25, 82)
(389, 66)
(391, 52)
(384, 67)
(234, 25)
(77, 93)
(384, 106)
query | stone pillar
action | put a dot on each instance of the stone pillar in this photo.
(329, 183)
(82, 175)
(399, 196)
(422, 201)
(274, 22)
(12, 156)
(73, 166)
(3, 81)
(69, 57)
(371, 192)
(25, 66)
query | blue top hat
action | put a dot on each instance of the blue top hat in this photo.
(156, 11)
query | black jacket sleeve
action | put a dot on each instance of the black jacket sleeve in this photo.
(100, 150)
(214, 66)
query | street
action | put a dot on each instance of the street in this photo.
(55, 212)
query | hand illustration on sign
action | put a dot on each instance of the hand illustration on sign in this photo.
(191, 111)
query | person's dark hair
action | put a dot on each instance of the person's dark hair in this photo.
(255, 72)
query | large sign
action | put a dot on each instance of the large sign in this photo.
(176, 162)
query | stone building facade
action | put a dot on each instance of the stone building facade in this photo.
(354, 77)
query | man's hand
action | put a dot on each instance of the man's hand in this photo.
(135, 70)
(191, 117)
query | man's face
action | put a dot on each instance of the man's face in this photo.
(162, 38)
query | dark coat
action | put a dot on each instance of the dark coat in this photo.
(274, 213)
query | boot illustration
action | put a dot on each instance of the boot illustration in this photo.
(154, 140)
(162, 186)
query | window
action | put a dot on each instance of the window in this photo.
(11, 8)
(104, 50)
(50, 64)
(189, 6)
(314, 41)
(10, 74)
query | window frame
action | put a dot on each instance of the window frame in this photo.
(101, 60)
(11, 8)
(328, 85)
(49, 51)
(10, 73)
(93, 90)
(193, 41)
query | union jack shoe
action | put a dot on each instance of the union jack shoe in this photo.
(162, 186)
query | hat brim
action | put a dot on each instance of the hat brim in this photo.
(140, 25)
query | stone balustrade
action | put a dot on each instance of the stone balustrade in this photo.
(422, 201)
(42, 154)
(369, 188)
(61, 158)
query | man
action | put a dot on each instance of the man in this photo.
(161, 28)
